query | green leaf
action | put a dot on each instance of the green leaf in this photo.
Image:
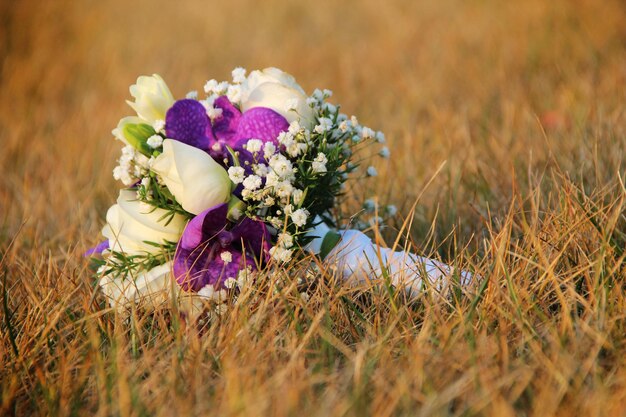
(137, 136)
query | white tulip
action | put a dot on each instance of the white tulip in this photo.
(130, 223)
(192, 176)
(277, 90)
(151, 287)
(152, 98)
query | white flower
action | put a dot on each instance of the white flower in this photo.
(281, 254)
(236, 174)
(209, 292)
(369, 205)
(367, 133)
(380, 137)
(319, 163)
(152, 98)
(281, 166)
(277, 90)
(269, 149)
(343, 126)
(254, 145)
(305, 297)
(297, 196)
(283, 189)
(285, 239)
(130, 223)
(299, 217)
(210, 86)
(391, 210)
(234, 93)
(192, 176)
(384, 152)
(149, 287)
(226, 257)
(296, 148)
(158, 125)
(193, 95)
(155, 141)
(260, 169)
(325, 124)
(239, 75)
(230, 283)
(252, 182)
(371, 171)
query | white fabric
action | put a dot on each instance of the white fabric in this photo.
(358, 259)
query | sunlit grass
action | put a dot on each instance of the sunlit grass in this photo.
(507, 129)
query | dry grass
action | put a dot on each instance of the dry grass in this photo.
(523, 100)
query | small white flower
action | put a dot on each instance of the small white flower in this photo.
(376, 221)
(216, 147)
(230, 283)
(155, 141)
(294, 127)
(260, 169)
(269, 201)
(281, 166)
(319, 163)
(327, 93)
(311, 101)
(367, 133)
(145, 182)
(285, 239)
(331, 108)
(371, 171)
(369, 205)
(239, 75)
(252, 182)
(227, 257)
(236, 174)
(299, 217)
(325, 124)
(297, 196)
(283, 189)
(158, 125)
(193, 95)
(254, 145)
(380, 137)
(392, 210)
(281, 254)
(343, 126)
(305, 297)
(384, 152)
(214, 113)
(295, 149)
(210, 86)
(221, 88)
(269, 149)
(234, 93)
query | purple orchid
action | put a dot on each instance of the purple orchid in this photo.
(98, 249)
(208, 253)
(188, 122)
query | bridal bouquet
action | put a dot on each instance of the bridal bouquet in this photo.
(218, 187)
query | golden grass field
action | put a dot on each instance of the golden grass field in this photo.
(507, 126)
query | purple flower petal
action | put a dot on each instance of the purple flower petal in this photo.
(187, 122)
(197, 261)
(260, 123)
(225, 126)
(98, 249)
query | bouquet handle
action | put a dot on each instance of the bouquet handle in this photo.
(358, 259)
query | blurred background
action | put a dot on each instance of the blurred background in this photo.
(499, 91)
